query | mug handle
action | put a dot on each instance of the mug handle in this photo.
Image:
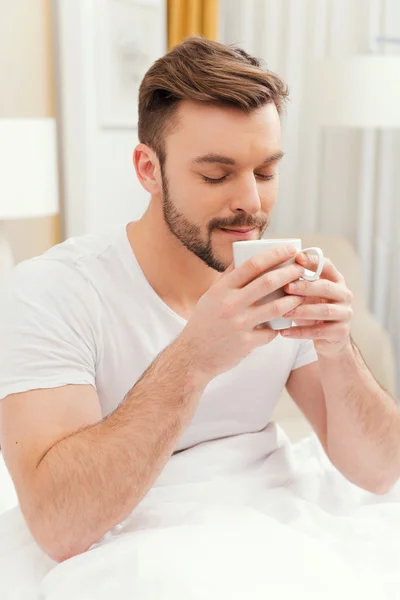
(310, 275)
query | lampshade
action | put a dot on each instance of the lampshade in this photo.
(28, 168)
(355, 91)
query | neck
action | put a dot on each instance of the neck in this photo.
(177, 275)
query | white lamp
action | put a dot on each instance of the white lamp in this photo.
(28, 174)
(355, 91)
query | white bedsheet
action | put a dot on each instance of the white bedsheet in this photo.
(8, 497)
(249, 517)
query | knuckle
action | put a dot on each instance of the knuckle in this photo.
(350, 296)
(295, 301)
(327, 286)
(274, 309)
(319, 332)
(255, 264)
(328, 310)
(266, 282)
(278, 253)
(350, 313)
(298, 272)
(295, 268)
(290, 273)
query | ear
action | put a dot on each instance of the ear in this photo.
(147, 168)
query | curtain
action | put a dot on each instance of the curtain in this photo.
(186, 17)
(343, 182)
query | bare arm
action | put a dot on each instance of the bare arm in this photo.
(356, 421)
(363, 422)
(77, 477)
(92, 479)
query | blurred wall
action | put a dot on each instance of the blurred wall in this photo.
(99, 50)
(27, 91)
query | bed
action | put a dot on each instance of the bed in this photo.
(8, 497)
(256, 516)
(252, 516)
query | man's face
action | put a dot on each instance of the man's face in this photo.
(220, 178)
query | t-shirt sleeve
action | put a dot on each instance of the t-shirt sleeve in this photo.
(306, 354)
(49, 316)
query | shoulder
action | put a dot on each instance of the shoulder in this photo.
(43, 293)
(44, 278)
(62, 269)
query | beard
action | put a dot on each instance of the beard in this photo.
(190, 235)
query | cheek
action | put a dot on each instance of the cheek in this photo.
(206, 200)
(197, 201)
(268, 195)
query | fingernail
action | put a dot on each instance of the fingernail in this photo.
(292, 286)
(285, 332)
(289, 313)
(303, 256)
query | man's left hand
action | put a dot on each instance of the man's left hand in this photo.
(326, 313)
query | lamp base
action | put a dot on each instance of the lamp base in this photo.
(6, 256)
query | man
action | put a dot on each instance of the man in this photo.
(125, 347)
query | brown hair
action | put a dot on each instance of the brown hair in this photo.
(205, 71)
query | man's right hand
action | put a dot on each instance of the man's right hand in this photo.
(224, 326)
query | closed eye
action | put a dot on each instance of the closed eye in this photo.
(211, 180)
(221, 179)
(264, 177)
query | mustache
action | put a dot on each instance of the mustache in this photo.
(240, 221)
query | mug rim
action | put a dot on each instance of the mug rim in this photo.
(269, 240)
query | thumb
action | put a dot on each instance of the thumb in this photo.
(226, 273)
(228, 270)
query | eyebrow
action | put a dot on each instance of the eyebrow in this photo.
(227, 160)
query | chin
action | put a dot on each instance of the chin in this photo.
(225, 258)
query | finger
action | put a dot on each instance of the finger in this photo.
(321, 312)
(270, 282)
(258, 264)
(273, 310)
(263, 336)
(322, 288)
(331, 332)
(310, 261)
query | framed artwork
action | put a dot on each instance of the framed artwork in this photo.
(129, 36)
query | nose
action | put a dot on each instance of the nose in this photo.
(247, 197)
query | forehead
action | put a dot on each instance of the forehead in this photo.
(203, 129)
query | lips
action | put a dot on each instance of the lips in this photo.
(238, 229)
(241, 233)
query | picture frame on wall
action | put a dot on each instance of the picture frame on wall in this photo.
(129, 36)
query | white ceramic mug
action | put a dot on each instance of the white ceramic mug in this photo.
(244, 250)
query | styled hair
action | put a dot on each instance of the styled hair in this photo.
(204, 71)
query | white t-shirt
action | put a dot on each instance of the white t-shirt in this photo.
(84, 313)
